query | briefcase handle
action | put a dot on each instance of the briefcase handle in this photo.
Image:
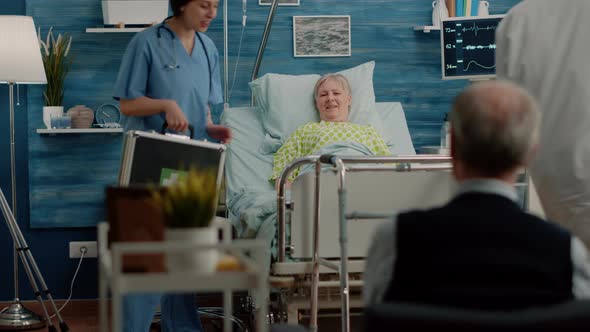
(191, 129)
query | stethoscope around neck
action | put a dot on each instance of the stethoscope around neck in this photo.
(174, 65)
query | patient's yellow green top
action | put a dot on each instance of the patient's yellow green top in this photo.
(313, 136)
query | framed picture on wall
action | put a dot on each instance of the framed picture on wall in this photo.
(281, 2)
(321, 36)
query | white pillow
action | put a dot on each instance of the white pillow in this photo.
(394, 128)
(287, 101)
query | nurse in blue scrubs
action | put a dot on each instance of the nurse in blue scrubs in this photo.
(170, 72)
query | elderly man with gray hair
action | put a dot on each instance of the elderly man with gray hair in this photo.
(480, 250)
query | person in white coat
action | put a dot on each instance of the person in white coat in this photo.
(544, 45)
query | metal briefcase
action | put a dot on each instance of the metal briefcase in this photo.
(150, 158)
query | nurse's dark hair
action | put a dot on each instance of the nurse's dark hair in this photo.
(176, 5)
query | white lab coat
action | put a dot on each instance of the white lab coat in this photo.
(544, 45)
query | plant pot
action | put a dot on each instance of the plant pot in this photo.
(197, 260)
(49, 111)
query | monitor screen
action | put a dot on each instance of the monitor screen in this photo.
(468, 47)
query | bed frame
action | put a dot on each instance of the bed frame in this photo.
(360, 195)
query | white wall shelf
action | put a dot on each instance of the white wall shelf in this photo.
(113, 29)
(80, 131)
(426, 28)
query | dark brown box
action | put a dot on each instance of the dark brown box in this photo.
(133, 217)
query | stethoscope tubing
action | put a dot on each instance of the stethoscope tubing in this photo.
(175, 65)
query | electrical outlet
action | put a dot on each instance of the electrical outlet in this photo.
(91, 250)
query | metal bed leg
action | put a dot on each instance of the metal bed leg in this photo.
(102, 302)
(116, 295)
(344, 287)
(227, 311)
(315, 278)
(292, 314)
(103, 277)
(263, 292)
(344, 263)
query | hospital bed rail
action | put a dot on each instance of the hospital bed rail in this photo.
(392, 163)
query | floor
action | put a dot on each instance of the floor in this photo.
(82, 316)
(79, 315)
(331, 322)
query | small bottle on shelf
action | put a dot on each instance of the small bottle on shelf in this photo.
(445, 133)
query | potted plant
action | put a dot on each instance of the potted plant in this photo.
(54, 52)
(188, 209)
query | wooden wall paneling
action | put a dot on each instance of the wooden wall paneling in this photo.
(68, 173)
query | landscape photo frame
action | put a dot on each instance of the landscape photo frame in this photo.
(281, 3)
(321, 36)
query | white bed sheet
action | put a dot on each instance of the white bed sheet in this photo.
(246, 166)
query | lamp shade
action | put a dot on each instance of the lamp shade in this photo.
(20, 55)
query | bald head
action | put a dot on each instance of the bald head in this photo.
(495, 127)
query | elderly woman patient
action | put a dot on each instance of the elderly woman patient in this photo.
(332, 100)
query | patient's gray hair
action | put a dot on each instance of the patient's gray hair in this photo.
(496, 125)
(337, 77)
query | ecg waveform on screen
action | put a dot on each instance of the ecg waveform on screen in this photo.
(468, 47)
(475, 63)
(476, 28)
(480, 47)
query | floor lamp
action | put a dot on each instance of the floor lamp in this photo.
(20, 63)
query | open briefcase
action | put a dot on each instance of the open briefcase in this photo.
(152, 158)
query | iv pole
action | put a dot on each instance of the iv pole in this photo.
(225, 59)
(267, 27)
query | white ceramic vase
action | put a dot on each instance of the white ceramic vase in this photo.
(483, 9)
(439, 12)
(49, 111)
(198, 260)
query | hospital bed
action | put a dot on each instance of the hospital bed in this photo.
(311, 280)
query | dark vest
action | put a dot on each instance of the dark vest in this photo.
(480, 251)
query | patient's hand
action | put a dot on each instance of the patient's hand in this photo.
(287, 184)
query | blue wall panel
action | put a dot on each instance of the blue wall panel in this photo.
(67, 174)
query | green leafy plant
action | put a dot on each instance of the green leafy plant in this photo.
(54, 52)
(190, 202)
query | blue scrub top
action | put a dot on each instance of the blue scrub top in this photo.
(143, 72)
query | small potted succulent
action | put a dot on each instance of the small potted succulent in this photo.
(188, 208)
(56, 60)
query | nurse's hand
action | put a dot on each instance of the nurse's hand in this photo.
(175, 117)
(219, 132)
